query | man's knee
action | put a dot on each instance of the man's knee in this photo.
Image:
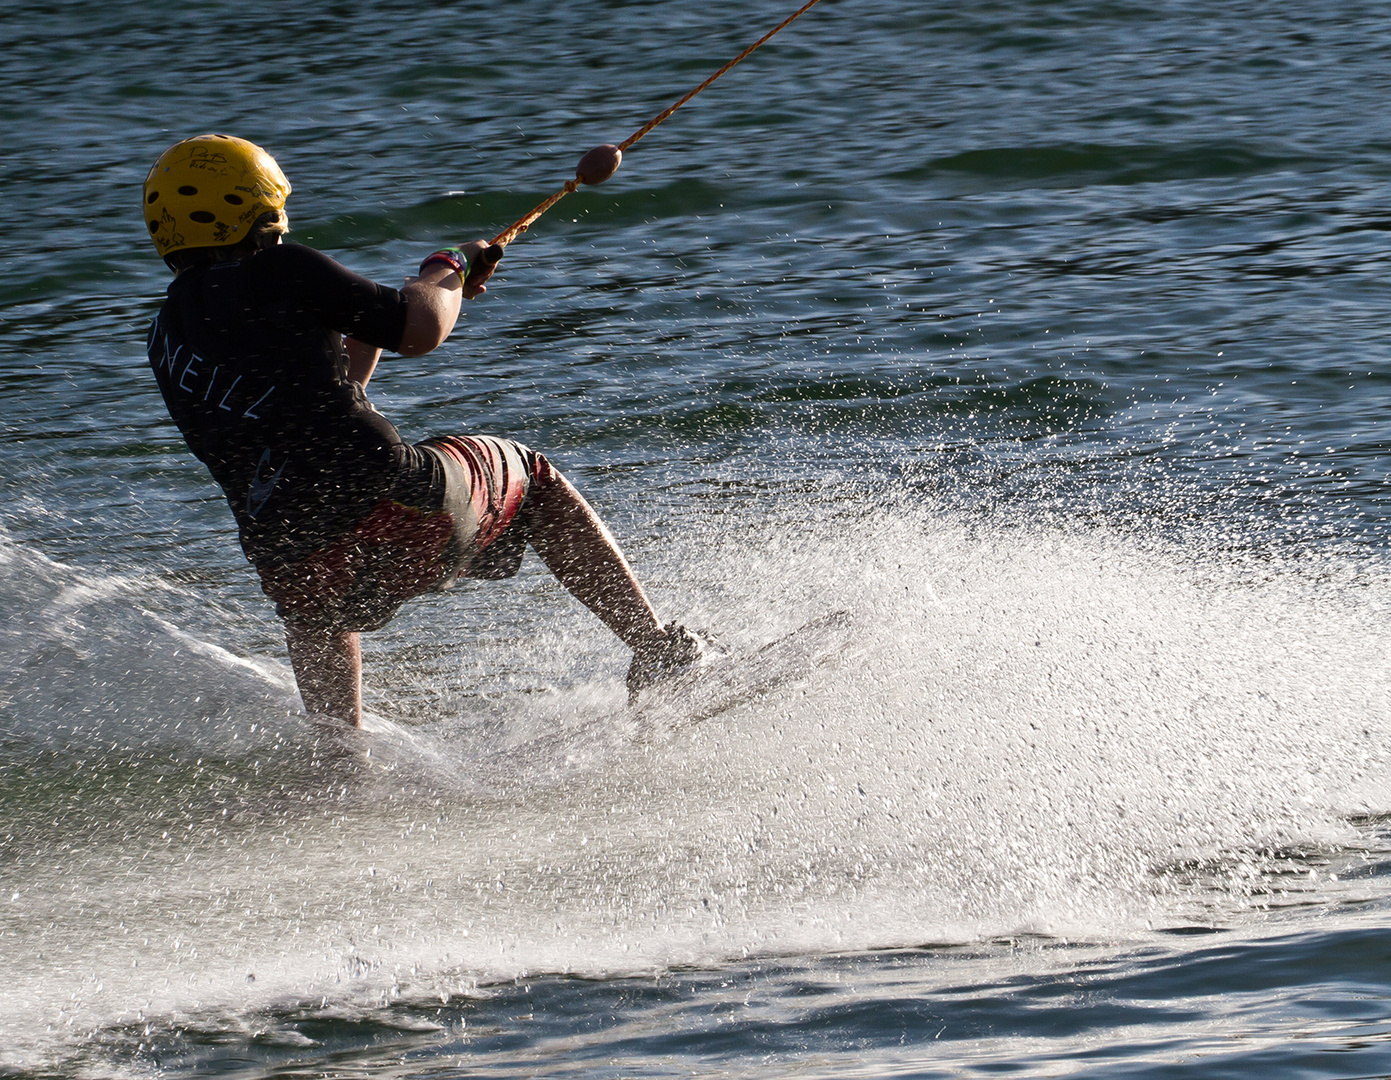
(543, 473)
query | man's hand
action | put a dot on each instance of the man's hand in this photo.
(480, 268)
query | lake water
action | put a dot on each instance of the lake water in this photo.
(1047, 340)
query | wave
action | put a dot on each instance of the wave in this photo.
(1089, 164)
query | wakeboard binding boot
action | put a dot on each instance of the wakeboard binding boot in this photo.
(678, 651)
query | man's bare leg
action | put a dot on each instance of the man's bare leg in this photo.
(328, 670)
(583, 555)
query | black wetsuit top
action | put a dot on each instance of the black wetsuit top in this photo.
(250, 362)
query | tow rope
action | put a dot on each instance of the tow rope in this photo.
(602, 162)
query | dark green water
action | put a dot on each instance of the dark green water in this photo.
(1046, 339)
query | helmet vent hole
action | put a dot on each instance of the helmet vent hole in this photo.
(152, 196)
(154, 226)
(203, 217)
(235, 200)
(188, 189)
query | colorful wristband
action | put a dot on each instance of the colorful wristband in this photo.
(452, 257)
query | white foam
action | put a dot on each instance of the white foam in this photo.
(89, 658)
(1038, 729)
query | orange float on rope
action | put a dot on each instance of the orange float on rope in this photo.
(602, 162)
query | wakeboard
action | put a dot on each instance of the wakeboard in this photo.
(723, 680)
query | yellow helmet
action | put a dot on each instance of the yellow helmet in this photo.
(208, 191)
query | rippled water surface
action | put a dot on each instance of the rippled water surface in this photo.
(1045, 340)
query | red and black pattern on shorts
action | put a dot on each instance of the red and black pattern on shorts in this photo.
(361, 581)
(398, 552)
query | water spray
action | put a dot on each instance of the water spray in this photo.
(602, 162)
